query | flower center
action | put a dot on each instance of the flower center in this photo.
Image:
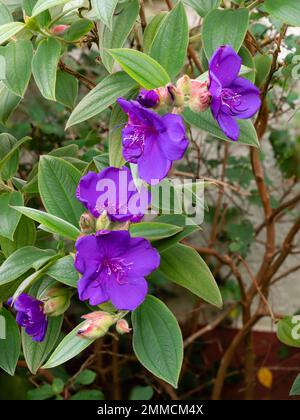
(116, 267)
(232, 101)
(135, 140)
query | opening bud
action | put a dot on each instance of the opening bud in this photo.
(199, 96)
(57, 301)
(87, 223)
(148, 98)
(122, 327)
(96, 324)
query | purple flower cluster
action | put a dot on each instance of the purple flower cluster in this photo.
(114, 265)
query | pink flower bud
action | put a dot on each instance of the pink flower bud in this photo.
(122, 327)
(199, 96)
(96, 325)
(59, 29)
(57, 301)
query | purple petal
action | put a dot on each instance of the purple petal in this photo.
(85, 284)
(250, 97)
(86, 192)
(128, 295)
(173, 141)
(153, 166)
(225, 65)
(229, 126)
(88, 250)
(144, 257)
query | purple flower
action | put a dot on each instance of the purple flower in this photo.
(30, 315)
(232, 96)
(113, 267)
(113, 190)
(148, 98)
(152, 141)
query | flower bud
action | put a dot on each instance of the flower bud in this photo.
(57, 301)
(148, 98)
(103, 222)
(199, 96)
(184, 85)
(173, 96)
(87, 223)
(122, 327)
(96, 325)
(59, 29)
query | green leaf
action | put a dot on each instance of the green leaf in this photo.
(35, 353)
(287, 11)
(63, 270)
(66, 89)
(263, 66)
(43, 5)
(202, 7)
(86, 377)
(288, 330)
(78, 29)
(53, 223)
(44, 66)
(41, 393)
(10, 342)
(171, 41)
(206, 122)
(104, 10)
(10, 29)
(248, 62)
(101, 97)
(142, 68)
(9, 169)
(8, 102)
(188, 227)
(18, 56)
(153, 231)
(9, 217)
(157, 340)
(23, 260)
(15, 146)
(151, 30)
(24, 235)
(141, 393)
(122, 24)
(295, 390)
(184, 266)
(221, 27)
(88, 394)
(69, 347)
(58, 181)
(101, 161)
(5, 15)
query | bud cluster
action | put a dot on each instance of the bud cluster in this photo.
(98, 323)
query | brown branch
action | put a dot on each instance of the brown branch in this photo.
(83, 79)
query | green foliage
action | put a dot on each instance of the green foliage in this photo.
(157, 340)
